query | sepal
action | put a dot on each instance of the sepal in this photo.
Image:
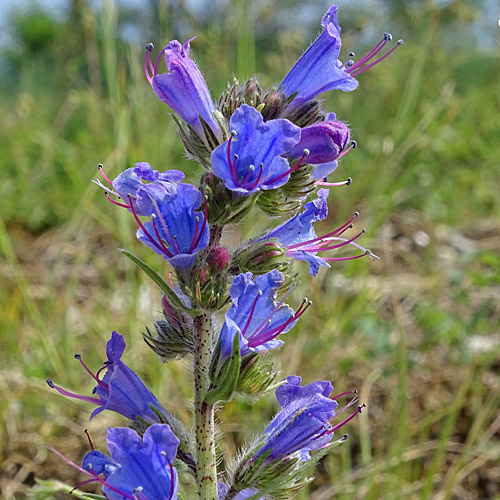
(224, 206)
(257, 375)
(224, 379)
(260, 257)
(172, 337)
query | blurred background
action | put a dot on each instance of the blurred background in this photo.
(417, 332)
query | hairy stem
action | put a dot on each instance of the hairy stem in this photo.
(204, 413)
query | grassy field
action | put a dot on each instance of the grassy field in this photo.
(417, 332)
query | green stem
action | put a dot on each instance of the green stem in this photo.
(204, 413)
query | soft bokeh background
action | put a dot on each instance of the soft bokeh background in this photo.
(417, 333)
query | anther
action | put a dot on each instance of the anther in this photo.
(348, 182)
(352, 54)
(400, 42)
(306, 152)
(150, 47)
(354, 144)
(344, 438)
(78, 356)
(356, 214)
(50, 383)
(349, 63)
(387, 36)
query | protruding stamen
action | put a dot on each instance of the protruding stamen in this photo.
(332, 259)
(319, 238)
(372, 53)
(87, 369)
(334, 184)
(387, 54)
(123, 205)
(88, 437)
(353, 145)
(148, 65)
(105, 177)
(73, 395)
(289, 171)
(354, 391)
(359, 409)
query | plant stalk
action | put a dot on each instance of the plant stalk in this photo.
(206, 477)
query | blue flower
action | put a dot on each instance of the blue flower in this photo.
(131, 180)
(252, 159)
(324, 142)
(182, 88)
(176, 230)
(137, 469)
(256, 316)
(298, 230)
(319, 69)
(302, 423)
(298, 237)
(120, 390)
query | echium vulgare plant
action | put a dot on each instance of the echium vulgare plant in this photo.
(266, 148)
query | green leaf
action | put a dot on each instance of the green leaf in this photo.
(153, 274)
(226, 380)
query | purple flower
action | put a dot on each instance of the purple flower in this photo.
(131, 180)
(176, 231)
(302, 424)
(252, 159)
(298, 237)
(324, 142)
(319, 69)
(182, 88)
(137, 470)
(256, 315)
(120, 390)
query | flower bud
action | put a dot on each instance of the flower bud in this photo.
(173, 336)
(260, 257)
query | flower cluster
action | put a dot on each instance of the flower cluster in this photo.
(260, 148)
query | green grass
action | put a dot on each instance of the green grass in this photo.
(416, 333)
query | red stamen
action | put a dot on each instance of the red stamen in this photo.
(354, 391)
(231, 163)
(146, 62)
(245, 328)
(255, 184)
(160, 240)
(359, 409)
(378, 47)
(288, 172)
(202, 230)
(105, 177)
(388, 53)
(338, 259)
(172, 481)
(353, 145)
(321, 248)
(150, 238)
(99, 382)
(115, 202)
(155, 69)
(73, 395)
(88, 437)
(297, 245)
